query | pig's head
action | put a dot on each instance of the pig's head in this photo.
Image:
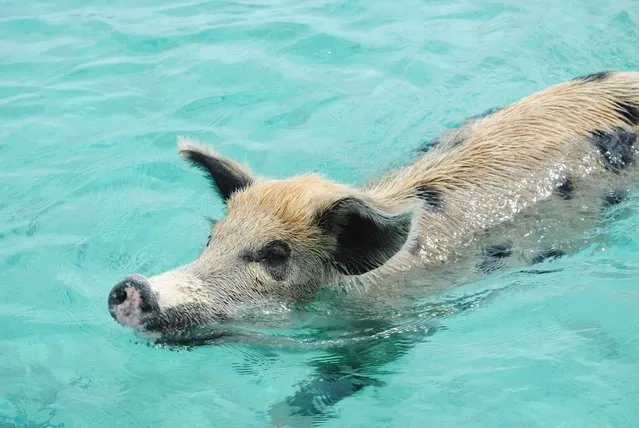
(279, 240)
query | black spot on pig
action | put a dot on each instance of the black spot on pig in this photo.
(594, 77)
(550, 254)
(629, 113)
(428, 146)
(617, 148)
(484, 114)
(565, 188)
(614, 198)
(493, 255)
(498, 251)
(433, 197)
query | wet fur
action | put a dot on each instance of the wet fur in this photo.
(513, 185)
(532, 175)
(547, 164)
(510, 162)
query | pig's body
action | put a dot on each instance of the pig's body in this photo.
(519, 184)
(513, 187)
(516, 186)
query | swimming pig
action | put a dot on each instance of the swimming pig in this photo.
(508, 187)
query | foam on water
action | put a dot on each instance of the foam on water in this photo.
(92, 98)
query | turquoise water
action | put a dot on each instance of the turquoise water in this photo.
(92, 97)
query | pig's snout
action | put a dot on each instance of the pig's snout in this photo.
(131, 300)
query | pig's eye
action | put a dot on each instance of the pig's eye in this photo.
(275, 252)
(208, 241)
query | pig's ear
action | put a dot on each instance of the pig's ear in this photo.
(366, 237)
(226, 175)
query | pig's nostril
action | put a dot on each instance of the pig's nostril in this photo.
(119, 296)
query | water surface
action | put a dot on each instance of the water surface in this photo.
(92, 97)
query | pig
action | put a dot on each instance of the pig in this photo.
(516, 186)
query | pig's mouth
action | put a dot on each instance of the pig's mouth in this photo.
(184, 323)
(179, 326)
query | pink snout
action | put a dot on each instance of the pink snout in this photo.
(131, 300)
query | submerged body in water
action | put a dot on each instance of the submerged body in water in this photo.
(513, 187)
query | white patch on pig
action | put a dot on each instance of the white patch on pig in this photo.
(175, 288)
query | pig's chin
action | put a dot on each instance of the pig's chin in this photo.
(196, 326)
(176, 327)
(189, 338)
(185, 335)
